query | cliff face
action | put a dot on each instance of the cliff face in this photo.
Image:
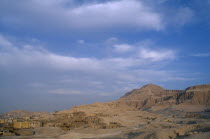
(150, 95)
(199, 94)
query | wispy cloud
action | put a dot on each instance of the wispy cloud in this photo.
(201, 55)
(156, 55)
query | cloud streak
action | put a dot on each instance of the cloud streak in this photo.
(201, 55)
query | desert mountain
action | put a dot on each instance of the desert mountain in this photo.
(151, 95)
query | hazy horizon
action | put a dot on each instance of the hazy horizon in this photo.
(58, 54)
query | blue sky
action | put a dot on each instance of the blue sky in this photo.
(55, 54)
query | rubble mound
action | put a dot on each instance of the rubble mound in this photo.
(80, 119)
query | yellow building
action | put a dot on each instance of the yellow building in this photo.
(2, 121)
(25, 124)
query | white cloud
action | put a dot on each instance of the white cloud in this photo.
(156, 55)
(92, 15)
(116, 13)
(122, 48)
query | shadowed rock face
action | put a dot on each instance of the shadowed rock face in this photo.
(150, 95)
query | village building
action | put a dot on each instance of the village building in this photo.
(21, 125)
(35, 124)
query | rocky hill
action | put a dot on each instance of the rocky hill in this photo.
(148, 98)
